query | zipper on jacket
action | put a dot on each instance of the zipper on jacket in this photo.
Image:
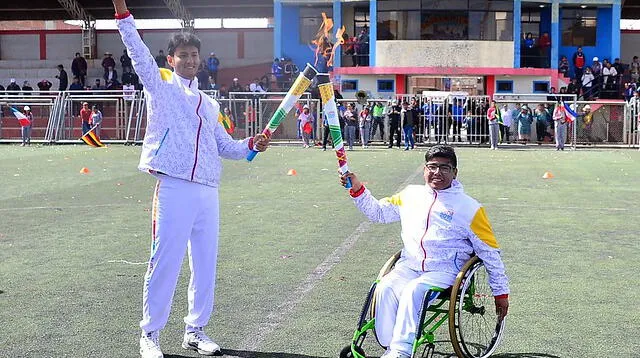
(195, 163)
(424, 251)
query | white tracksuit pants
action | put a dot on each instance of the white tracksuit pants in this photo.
(185, 216)
(399, 299)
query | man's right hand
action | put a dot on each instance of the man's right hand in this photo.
(355, 183)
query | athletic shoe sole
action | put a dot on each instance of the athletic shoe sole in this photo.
(187, 346)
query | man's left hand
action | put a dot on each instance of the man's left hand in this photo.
(261, 142)
(502, 307)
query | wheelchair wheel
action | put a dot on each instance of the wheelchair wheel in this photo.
(346, 352)
(473, 324)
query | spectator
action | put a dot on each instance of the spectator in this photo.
(110, 75)
(378, 120)
(494, 129)
(224, 91)
(560, 126)
(26, 88)
(203, 77)
(596, 70)
(362, 47)
(628, 92)
(213, 85)
(364, 122)
(63, 78)
(85, 117)
(161, 59)
(278, 73)
(97, 85)
(587, 84)
(79, 68)
(457, 114)
(619, 66)
(44, 85)
(128, 77)
(256, 86)
(578, 63)
(96, 120)
(563, 67)
(326, 131)
(409, 117)
(26, 130)
(544, 43)
(125, 62)
(574, 86)
(609, 75)
(635, 69)
(107, 62)
(235, 86)
(394, 123)
(505, 126)
(76, 85)
(524, 120)
(129, 91)
(351, 123)
(306, 125)
(542, 121)
(213, 63)
(13, 86)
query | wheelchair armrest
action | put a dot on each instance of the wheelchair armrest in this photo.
(388, 266)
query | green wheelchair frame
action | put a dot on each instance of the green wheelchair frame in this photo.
(470, 296)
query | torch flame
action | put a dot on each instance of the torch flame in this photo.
(322, 45)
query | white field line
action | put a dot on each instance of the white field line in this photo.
(290, 302)
(87, 206)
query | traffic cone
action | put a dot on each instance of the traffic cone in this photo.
(292, 172)
(547, 175)
(84, 170)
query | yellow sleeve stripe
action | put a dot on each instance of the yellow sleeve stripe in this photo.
(482, 228)
(165, 74)
(394, 200)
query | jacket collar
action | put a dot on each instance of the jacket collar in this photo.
(455, 188)
(191, 84)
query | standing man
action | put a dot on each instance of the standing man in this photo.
(212, 65)
(394, 123)
(63, 78)
(85, 118)
(378, 120)
(183, 147)
(125, 62)
(560, 119)
(108, 62)
(79, 68)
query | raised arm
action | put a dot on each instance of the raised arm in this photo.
(386, 210)
(141, 58)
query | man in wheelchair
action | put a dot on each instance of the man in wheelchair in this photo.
(442, 227)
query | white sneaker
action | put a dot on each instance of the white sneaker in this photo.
(150, 345)
(390, 353)
(198, 341)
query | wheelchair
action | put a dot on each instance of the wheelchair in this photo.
(467, 306)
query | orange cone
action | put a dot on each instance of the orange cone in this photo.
(84, 170)
(292, 172)
(547, 175)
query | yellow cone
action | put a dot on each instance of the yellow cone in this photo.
(547, 175)
(292, 172)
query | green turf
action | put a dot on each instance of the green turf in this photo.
(570, 245)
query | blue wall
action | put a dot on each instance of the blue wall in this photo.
(291, 47)
(604, 35)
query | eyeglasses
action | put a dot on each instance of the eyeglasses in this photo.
(444, 168)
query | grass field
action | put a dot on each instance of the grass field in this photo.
(296, 258)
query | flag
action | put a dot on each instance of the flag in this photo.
(570, 113)
(92, 139)
(226, 122)
(22, 119)
(499, 115)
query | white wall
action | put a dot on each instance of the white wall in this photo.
(523, 84)
(369, 83)
(629, 45)
(18, 47)
(109, 41)
(444, 54)
(63, 46)
(258, 47)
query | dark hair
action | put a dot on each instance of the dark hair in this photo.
(442, 151)
(182, 38)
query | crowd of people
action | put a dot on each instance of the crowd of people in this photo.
(598, 79)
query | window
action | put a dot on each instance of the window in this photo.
(386, 86)
(504, 86)
(349, 85)
(445, 20)
(540, 86)
(310, 21)
(578, 27)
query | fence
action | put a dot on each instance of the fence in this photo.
(450, 118)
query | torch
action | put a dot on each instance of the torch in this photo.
(330, 110)
(297, 89)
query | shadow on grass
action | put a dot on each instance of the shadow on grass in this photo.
(249, 354)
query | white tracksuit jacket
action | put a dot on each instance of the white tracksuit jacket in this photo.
(183, 138)
(441, 229)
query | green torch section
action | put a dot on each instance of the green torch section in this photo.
(277, 118)
(336, 135)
